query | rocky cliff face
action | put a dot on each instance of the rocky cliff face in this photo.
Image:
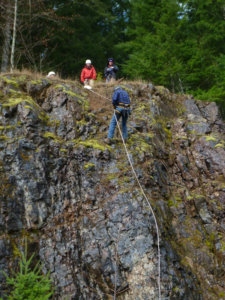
(75, 199)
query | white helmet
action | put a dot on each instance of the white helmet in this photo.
(88, 61)
(51, 74)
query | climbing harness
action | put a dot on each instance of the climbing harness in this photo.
(143, 193)
(125, 112)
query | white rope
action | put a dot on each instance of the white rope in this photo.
(143, 193)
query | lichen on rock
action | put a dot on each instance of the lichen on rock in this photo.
(76, 201)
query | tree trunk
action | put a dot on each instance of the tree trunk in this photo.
(181, 85)
(14, 36)
(6, 43)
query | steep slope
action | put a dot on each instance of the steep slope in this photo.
(76, 201)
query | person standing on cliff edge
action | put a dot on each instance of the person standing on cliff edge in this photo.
(110, 71)
(88, 75)
(121, 104)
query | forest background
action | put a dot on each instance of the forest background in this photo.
(178, 44)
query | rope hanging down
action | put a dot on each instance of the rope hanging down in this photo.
(143, 193)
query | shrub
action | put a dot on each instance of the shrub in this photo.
(29, 283)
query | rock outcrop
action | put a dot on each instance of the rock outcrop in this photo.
(76, 202)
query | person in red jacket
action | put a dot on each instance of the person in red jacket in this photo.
(88, 75)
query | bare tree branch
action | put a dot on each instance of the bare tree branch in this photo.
(14, 36)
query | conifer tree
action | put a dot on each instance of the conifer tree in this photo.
(28, 282)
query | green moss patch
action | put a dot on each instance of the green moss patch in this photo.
(30, 104)
(53, 136)
(219, 146)
(93, 144)
(140, 145)
(36, 82)
(4, 137)
(83, 101)
(10, 81)
(210, 138)
(89, 165)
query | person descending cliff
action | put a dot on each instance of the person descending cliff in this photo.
(88, 75)
(121, 104)
(110, 71)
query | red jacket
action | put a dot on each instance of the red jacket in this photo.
(88, 73)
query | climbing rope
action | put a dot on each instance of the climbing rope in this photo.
(143, 193)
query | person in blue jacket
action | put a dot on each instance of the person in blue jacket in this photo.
(110, 71)
(121, 103)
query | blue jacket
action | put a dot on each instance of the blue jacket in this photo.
(120, 97)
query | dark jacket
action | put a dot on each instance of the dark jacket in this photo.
(120, 97)
(111, 71)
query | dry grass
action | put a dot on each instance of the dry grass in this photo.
(97, 102)
(135, 82)
(101, 85)
(38, 75)
(106, 90)
(26, 72)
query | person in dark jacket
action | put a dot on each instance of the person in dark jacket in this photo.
(110, 71)
(121, 103)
